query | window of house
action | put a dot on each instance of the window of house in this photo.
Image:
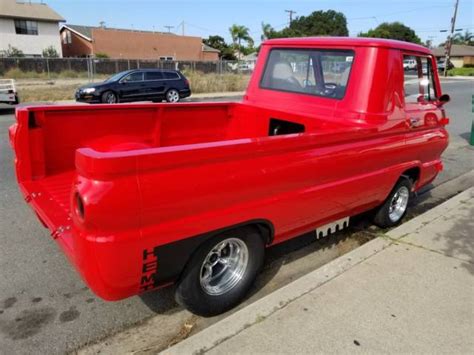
(134, 77)
(66, 36)
(419, 84)
(166, 58)
(170, 75)
(315, 72)
(23, 27)
(153, 75)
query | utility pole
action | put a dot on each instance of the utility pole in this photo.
(449, 42)
(291, 12)
(182, 27)
(169, 28)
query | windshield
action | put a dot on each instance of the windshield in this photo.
(115, 77)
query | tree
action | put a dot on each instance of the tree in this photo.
(466, 38)
(239, 34)
(318, 23)
(102, 55)
(50, 52)
(393, 30)
(13, 52)
(217, 42)
(267, 31)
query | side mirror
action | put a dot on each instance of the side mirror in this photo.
(444, 99)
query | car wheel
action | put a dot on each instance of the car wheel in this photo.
(395, 206)
(172, 95)
(109, 97)
(221, 272)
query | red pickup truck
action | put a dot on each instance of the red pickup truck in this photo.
(144, 195)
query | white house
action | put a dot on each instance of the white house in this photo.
(29, 26)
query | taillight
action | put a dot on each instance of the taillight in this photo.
(79, 205)
(186, 82)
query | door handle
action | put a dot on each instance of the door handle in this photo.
(414, 121)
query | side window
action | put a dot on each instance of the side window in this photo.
(134, 77)
(153, 75)
(418, 79)
(170, 75)
(318, 72)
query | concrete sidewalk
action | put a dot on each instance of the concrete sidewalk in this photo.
(410, 291)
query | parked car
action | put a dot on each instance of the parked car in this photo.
(409, 64)
(137, 85)
(8, 92)
(441, 64)
(142, 196)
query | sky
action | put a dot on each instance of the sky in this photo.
(213, 17)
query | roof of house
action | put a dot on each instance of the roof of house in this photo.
(206, 48)
(29, 10)
(348, 41)
(251, 56)
(457, 50)
(86, 31)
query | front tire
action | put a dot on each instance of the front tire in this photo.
(221, 272)
(109, 97)
(395, 206)
(172, 95)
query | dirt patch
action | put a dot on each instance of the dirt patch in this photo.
(69, 315)
(9, 302)
(28, 323)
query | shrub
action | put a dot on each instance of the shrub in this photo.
(13, 52)
(50, 52)
(102, 55)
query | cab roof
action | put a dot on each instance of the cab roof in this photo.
(347, 42)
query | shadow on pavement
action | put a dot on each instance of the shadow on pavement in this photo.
(461, 240)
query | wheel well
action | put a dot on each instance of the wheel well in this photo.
(264, 228)
(413, 174)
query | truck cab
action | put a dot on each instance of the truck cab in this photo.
(142, 196)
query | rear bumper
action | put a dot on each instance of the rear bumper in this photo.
(184, 93)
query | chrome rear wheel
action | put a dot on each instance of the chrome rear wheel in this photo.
(224, 266)
(399, 204)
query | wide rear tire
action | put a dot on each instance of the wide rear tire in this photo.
(395, 206)
(205, 289)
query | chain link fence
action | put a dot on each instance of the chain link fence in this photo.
(95, 67)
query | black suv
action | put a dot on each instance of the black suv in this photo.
(137, 85)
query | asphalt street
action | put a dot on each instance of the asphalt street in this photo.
(46, 308)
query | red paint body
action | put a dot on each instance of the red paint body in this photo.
(153, 174)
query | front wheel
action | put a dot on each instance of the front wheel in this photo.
(109, 97)
(395, 206)
(221, 272)
(172, 95)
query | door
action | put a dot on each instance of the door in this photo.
(154, 84)
(424, 117)
(420, 94)
(132, 87)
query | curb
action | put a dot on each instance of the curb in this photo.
(225, 329)
(459, 77)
